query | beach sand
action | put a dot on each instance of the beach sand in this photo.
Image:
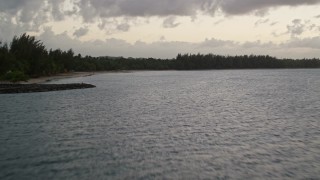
(57, 77)
(45, 79)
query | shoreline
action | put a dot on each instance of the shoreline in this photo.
(33, 88)
(34, 85)
(45, 79)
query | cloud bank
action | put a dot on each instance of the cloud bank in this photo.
(81, 32)
(19, 16)
(31, 14)
(90, 9)
(297, 48)
(247, 6)
(114, 8)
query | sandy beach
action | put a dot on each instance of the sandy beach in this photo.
(45, 79)
(58, 76)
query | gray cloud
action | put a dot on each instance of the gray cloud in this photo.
(312, 26)
(246, 6)
(162, 38)
(114, 8)
(219, 22)
(261, 21)
(13, 6)
(114, 25)
(57, 12)
(297, 48)
(216, 43)
(18, 16)
(297, 28)
(8, 30)
(273, 23)
(81, 32)
(313, 43)
(170, 22)
(90, 9)
(26, 11)
(123, 27)
(34, 13)
(257, 44)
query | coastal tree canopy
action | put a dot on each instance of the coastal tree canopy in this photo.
(28, 57)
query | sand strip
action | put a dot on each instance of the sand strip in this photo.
(57, 77)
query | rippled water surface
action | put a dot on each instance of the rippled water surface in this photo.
(255, 124)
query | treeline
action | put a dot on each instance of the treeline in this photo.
(27, 57)
(210, 61)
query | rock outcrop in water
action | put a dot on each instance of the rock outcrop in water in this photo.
(29, 88)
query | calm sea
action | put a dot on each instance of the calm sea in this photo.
(225, 124)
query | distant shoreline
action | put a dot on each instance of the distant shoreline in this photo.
(46, 79)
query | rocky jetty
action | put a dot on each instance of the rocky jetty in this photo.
(29, 88)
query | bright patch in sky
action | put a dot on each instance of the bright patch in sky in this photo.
(153, 28)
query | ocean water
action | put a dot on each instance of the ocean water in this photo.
(224, 124)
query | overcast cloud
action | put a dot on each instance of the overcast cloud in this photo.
(19, 16)
(169, 49)
(170, 22)
(90, 9)
(81, 32)
(247, 6)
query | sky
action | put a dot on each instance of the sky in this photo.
(164, 28)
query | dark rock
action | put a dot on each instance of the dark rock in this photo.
(29, 88)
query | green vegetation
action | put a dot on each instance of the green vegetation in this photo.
(210, 61)
(28, 57)
(14, 76)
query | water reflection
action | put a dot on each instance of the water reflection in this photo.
(172, 124)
